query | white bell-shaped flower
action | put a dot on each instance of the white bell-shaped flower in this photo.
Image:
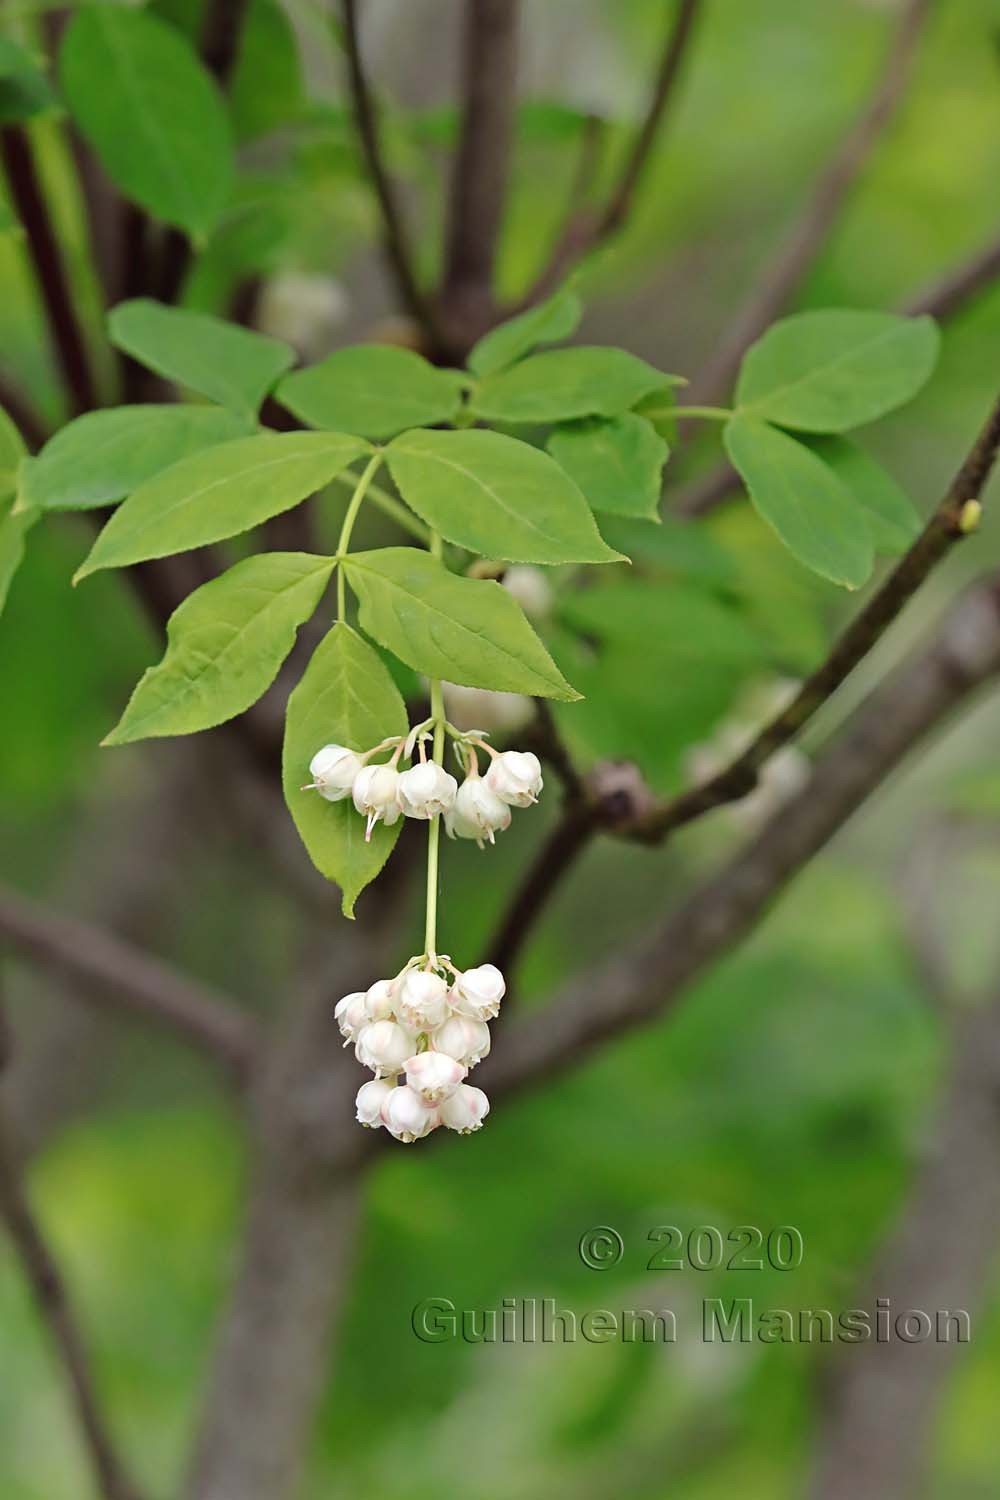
(426, 789)
(516, 777)
(371, 1097)
(478, 992)
(379, 1000)
(350, 1015)
(478, 812)
(375, 795)
(465, 1109)
(333, 770)
(422, 999)
(408, 1117)
(434, 1075)
(463, 1038)
(384, 1046)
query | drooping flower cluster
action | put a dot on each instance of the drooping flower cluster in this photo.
(420, 1033)
(477, 809)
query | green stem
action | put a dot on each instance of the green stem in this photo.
(343, 541)
(394, 509)
(710, 413)
(434, 830)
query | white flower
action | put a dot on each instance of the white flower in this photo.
(375, 789)
(426, 789)
(350, 1015)
(384, 1046)
(407, 1116)
(465, 1110)
(422, 999)
(379, 1000)
(478, 813)
(530, 587)
(371, 1097)
(333, 770)
(434, 1075)
(463, 1038)
(481, 708)
(478, 992)
(515, 777)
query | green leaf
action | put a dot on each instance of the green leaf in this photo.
(676, 546)
(230, 365)
(658, 409)
(14, 527)
(803, 500)
(104, 455)
(616, 461)
(346, 697)
(891, 517)
(566, 383)
(496, 496)
(24, 89)
(225, 645)
(465, 630)
(266, 90)
(548, 323)
(219, 493)
(371, 389)
(832, 370)
(668, 619)
(12, 451)
(152, 113)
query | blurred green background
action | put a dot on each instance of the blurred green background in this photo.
(793, 1086)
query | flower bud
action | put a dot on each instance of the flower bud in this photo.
(478, 813)
(515, 777)
(384, 1046)
(371, 1097)
(422, 999)
(333, 770)
(465, 1110)
(379, 1000)
(350, 1015)
(478, 992)
(375, 789)
(406, 1116)
(483, 709)
(530, 587)
(462, 1037)
(426, 789)
(434, 1075)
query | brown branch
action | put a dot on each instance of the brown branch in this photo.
(785, 272)
(913, 701)
(42, 1273)
(65, 331)
(482, 162)
(394, 236)
(585, 229)
(560, 852)
(946, 526)
(115, 972)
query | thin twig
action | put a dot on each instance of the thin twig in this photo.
(394, 237)
(785, 272)
(115, 972)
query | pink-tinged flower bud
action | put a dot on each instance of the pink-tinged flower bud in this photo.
(465, 1110)
(350, 1015)
(530, 587)
(422, 999)
(515, 777)
(478, 992)
(371, 1097)
(465, 1039)
(375, 789)
(379, 1000)
(478, 813)
(406, 1116)
(333, 770)
(384, 1046)
(426, 789)
(434, 1075)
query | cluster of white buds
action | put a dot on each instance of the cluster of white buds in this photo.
(478, 809)
(420, 1033)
